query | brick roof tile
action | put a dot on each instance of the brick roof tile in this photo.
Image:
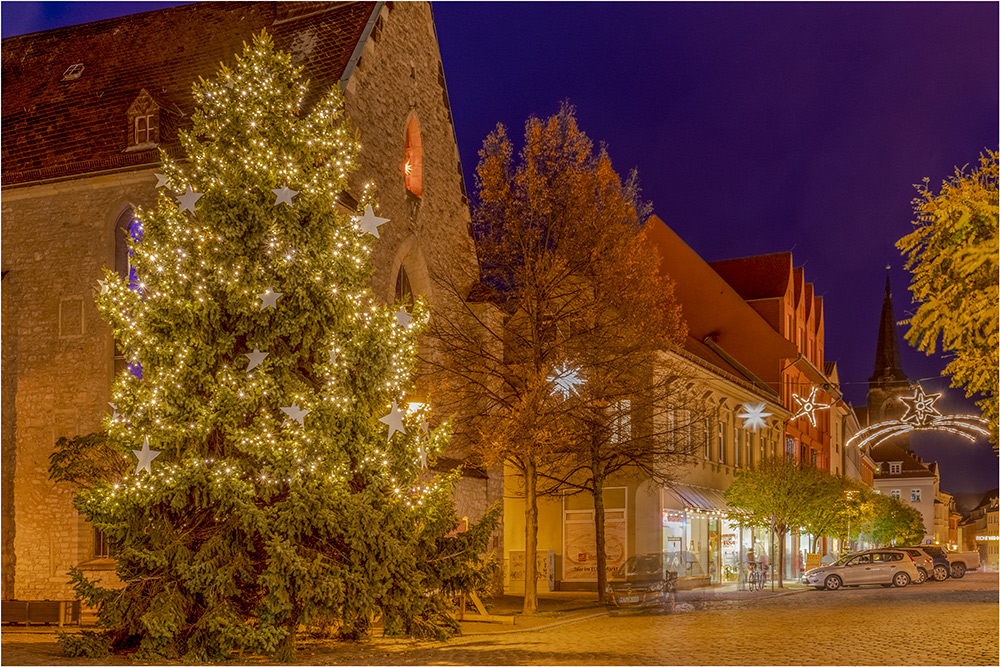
(53, 128)
(757, 277)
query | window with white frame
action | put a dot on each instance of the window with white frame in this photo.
(895, 467)
(895, 493)
(621, 421)
(914, 495)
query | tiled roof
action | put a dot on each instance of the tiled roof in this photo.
(54, 128)
(757, 277)
(890, 451)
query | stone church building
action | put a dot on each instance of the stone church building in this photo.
(85, 109)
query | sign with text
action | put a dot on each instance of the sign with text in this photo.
(580, 556)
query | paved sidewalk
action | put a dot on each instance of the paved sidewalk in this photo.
(561, 607)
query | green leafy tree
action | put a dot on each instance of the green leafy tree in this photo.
(890, 521)
(776, 490)
(277, 498)
(953, 256)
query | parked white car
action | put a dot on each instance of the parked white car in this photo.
(962, 561)
(886, 567)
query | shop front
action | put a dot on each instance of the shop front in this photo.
(703, 543)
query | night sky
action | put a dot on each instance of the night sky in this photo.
(755, 128)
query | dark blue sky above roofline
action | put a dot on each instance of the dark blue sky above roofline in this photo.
(755, 128)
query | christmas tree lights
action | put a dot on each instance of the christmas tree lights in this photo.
(274, 496)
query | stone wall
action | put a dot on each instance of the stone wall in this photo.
(57, 237)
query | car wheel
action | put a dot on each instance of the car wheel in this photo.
(958, 570)
(940, 573)
(921, 575)
(900, 579)
(832, 583)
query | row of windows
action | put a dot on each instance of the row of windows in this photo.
(914, 494)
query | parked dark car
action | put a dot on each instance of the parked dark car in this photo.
(647, 584)
(942, 568)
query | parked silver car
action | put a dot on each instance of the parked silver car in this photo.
(923, 561)
(887, 567)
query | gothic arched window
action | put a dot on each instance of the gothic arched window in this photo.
(127, 226)
(413, 167)
(404, 293)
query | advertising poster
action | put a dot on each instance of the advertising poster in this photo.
(580, 558)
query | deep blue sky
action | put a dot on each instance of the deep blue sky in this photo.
(755, 127)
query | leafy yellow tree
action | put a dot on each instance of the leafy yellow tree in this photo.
(952, 254)
(581, 312)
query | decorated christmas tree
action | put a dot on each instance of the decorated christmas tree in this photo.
(279, 478)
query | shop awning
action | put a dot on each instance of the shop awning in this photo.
(699, 498)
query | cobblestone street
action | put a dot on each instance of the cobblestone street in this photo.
(953, 622)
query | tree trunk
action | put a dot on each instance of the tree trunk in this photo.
(602, 556)
(286, 649)
(530, 538)
(781, 558)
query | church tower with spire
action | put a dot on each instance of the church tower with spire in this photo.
(888, 381)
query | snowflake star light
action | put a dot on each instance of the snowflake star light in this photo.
(566, 379)
(808, 407)
(920, 410)
(753, 416)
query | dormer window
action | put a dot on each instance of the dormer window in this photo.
(144, 123)
(73, 72)
(895, 468)
(147, 129)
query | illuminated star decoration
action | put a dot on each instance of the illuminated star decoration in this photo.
(256, 358)
(753, 416)
(283, 195)
(394, 420)
(370, 222)
(566, 379)
(921, 415)
(104, 286)
(920, 410)
(422, 452)
(145, 456)
(296, 413)
(188, 199)
(114, 411)
(269, 299)
(402, 317)
(161, 180)
(808, 407)
(334, 356)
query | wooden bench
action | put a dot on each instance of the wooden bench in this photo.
(45, 612)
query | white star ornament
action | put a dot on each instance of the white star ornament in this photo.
(145, 456)
(295, 412)
(188, 199)
(283, 195)
(256, 358)
(370, 222)
(403, 318)
(161, 180)
(269, 299)
(394, 420)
